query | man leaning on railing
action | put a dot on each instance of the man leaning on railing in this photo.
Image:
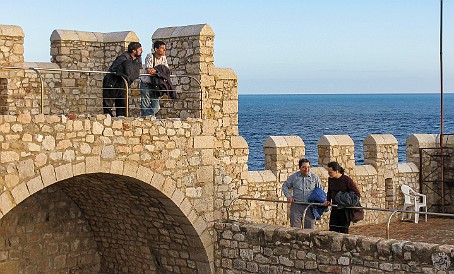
(149, 91)
(126, 66)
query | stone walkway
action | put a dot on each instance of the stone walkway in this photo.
(436, 230)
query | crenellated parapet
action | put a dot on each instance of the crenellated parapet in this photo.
(84, 50)
(339, 148)
(204, 90)
(11, 54)
(282, 154)
(190, 51)
(378, 180)
(12, 45)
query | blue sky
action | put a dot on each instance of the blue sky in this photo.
(305, 46)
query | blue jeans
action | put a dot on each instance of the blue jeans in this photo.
(149, 100)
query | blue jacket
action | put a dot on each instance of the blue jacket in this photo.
(318, 196)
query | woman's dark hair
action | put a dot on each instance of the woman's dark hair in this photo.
(304, 160)
(336, 167)
(158, 44)
(133, 46)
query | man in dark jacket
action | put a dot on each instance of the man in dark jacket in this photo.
(128, 65)
(339, 220)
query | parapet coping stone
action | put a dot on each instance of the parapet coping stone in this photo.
(283, 141)
(365, 170)
(76, 35)
(225, 74)
(407, 168)
(183, 31)
(423, 140)
(11, 30)
(330, 140)
(380, 139)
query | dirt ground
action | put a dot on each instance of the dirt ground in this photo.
(436, 230)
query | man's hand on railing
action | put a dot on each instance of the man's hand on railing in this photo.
(327, 203)
(290, 200)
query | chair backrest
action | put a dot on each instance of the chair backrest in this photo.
(406, 191)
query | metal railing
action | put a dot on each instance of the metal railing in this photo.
(393, 211)
(38, 70)
(435, 176)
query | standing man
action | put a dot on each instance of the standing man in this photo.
(339, 182)
(302, 182)
(149, 93)
(127, 65)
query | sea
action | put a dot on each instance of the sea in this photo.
(312, 115)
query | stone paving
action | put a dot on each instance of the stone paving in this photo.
(436, 230)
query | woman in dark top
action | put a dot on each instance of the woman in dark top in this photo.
(337, 182)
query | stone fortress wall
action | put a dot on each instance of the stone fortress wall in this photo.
(378, 180)
(192, 163)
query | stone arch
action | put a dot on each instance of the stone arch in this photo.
(152, 217)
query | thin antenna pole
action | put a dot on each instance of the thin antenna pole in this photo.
(441, 109)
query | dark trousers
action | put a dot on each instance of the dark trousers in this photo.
(338, 220)
(113, 97)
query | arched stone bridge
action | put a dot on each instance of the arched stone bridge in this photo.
(112, 195)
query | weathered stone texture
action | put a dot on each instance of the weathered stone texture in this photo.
(48, 233)
(245, 247)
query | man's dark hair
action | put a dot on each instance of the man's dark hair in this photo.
(158, 43)
(336, 167)
(133, 46)
(304, 160)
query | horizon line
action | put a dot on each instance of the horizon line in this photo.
(347, 93)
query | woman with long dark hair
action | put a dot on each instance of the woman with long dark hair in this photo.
(339, 220)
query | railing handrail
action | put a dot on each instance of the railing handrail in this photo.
(38, 69)
(392, 210)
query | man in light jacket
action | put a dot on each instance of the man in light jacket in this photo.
(302, 183)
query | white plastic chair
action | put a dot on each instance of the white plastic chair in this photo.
(413, 199)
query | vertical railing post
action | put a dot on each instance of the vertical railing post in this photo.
(387, 224)
(304, 214)
(126, 95)
(42, 87)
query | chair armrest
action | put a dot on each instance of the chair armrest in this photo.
(421, 195)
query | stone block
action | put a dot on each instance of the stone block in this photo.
(108, 152)
(204, 141)
(9, 156)
(178, 197)
(9, 267)
(158, 180)
(20, 193)
(48, 175)
(64, 172)
(254, 177)
(26, 168)
(6, 203)
(238, 142)
(92, 164)
(130, 169)
(145, 174)
(186, 206)
(168, 188)
(205, 174)
(35, 185)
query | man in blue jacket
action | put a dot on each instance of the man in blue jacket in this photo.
(302, 183)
